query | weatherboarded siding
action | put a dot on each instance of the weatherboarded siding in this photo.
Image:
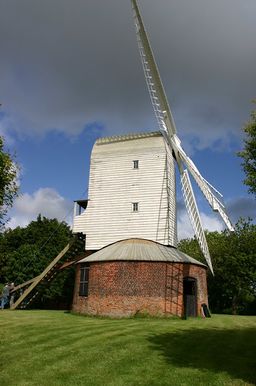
(114, 185)
(126, 288)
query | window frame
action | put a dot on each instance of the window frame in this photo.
(135, 207)
(84, 279)
(136, 164)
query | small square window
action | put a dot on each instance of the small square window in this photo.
(135, 206)
(136, 164)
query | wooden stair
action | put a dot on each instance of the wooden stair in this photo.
(32, 286)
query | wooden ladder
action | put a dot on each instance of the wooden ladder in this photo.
(47, 275)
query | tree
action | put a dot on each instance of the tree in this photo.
(249, 153)
(8, 181)
(233, 287)
(26, 252)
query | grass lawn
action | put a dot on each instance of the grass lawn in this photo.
(58, 348)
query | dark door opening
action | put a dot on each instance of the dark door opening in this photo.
(189, 296)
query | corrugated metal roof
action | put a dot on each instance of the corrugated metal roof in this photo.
(127, 137)
(140, 250)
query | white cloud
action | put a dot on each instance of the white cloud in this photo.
(185, 230)
(211, 223)
(45, 201)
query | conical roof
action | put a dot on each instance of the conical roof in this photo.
(140, 250)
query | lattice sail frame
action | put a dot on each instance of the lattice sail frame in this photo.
(167, 127)
(155, 87)
(194, 216)
(205, 187)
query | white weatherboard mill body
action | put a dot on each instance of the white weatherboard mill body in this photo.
(115, 185)
(112, 186)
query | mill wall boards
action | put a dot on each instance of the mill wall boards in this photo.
(131, 192)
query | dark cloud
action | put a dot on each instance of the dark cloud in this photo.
(244, 207)
(66, 63)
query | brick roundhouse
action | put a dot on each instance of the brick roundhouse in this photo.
(139, 276)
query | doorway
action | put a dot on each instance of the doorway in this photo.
(190, 296)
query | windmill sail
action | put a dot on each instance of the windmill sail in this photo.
(212, 195)
(156, 90)
(206, 189)
(194, 216)
(167, 126)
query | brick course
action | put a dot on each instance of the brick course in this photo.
(122, 288)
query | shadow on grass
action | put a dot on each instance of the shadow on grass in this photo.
(231, 351)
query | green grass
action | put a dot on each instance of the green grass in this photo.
(58, 348)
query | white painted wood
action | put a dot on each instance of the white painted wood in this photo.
(114, 185)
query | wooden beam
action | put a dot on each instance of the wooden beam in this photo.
(67, 264)
(40, 277)
(23, 284)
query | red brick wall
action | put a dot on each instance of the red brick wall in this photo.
(199, 273)
(123, 288)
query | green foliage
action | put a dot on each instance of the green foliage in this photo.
(249, 153)
(59, 349)
(25, 253)
(8, 181)
(233, 287)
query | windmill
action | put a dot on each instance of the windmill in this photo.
(168, 129)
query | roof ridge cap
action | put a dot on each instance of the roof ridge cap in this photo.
(128, 137)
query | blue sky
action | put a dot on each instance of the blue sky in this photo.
(70, 72)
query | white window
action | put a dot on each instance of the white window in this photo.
(135, 206)
(135, 164)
